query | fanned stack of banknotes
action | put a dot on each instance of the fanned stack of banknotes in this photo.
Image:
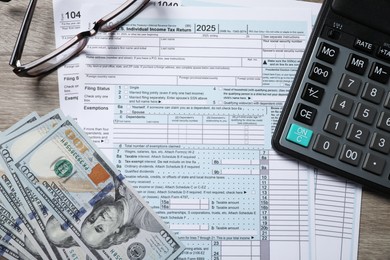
(61, 198)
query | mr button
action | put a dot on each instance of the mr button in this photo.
(356, 64)
(305, 114)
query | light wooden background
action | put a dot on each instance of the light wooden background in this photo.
(20, 96)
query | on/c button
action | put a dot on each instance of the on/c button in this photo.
(299, 135)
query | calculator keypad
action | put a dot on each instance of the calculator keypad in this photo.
(379, 72)
(380, 143)
(373, 93)
(365, 114)
(305, 114)
(335, 125)
(374, 164)
(320, 73)
(312, 93)
(350, 84)
(358, 134)
(344, 103)
(356, 64)
(350, 155)
(326, 145)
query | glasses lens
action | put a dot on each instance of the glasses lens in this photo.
(55, 61)
(122, 14)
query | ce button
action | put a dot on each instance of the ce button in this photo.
(305, 114)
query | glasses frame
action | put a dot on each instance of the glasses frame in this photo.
(22, 70)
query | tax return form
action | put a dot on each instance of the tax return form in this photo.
(216, 120)
(337, 200)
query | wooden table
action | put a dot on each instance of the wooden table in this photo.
(20, 96)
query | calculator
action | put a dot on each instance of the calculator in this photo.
(337, 114)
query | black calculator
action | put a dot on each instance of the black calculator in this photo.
(337, 114)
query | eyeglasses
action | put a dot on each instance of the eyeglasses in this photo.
(74, 46)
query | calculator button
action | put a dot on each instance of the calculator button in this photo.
(350, 84)
(312, 93)
(305, 114)
(373, 93)
(333, 34)
(327, 52)
(384, 52)
(387, 101)
(299, 135)
(379, 72)
(350, 155)
(325, 145)
(342, 105)
(374, 164)
(380, 143)
(335, 125)
(320, 73)
(356, 64)
(363, 45)
(365, 114)
(358, 134)
(384, 121)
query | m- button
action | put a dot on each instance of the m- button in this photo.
(379, 72)
(327, 52)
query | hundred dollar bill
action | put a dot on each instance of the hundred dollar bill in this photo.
(17, 228)
(12, 203)
(8, 252)
(10, 232)
(91, 199)
(11, 147)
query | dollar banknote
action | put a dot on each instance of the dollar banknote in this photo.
(14, 236)
(11, 147)
(90, 199)
(13, 203)
(10, 201)
(8, 252)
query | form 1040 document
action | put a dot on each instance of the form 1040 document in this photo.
(182, 116)
(185, 101)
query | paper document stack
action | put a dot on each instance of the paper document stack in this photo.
(61, 198)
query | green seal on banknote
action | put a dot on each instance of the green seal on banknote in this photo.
(63, 168)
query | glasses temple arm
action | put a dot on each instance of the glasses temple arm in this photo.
(21, 40)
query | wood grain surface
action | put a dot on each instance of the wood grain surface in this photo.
(20, 96)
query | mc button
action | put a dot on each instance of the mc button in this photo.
(305, 114)
(327, 52)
